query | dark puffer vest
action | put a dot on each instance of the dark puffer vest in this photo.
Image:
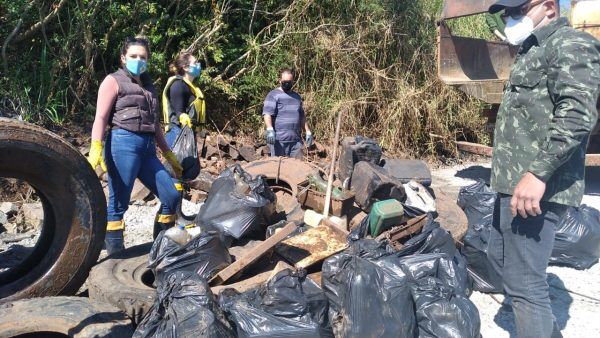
(136, 107)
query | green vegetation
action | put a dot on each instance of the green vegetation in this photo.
(373, 58)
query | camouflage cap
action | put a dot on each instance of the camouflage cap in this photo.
(501, 4)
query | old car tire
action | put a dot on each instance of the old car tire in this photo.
(70, 316)
(123, 280)
(450, 216)
(74, 212)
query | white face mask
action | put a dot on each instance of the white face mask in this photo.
(517, 30)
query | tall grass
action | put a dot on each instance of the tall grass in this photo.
(376, 61)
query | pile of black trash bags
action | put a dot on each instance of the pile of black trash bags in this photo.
(576, 245)
(368, 290)
(419, 291)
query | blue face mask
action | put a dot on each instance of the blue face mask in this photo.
(136, 66)
(195, 69)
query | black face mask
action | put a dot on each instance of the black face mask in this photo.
(287, 85)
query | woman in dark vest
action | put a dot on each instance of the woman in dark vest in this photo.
(128, 105)
(182, 102)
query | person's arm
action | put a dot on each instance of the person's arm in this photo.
(268, 121)
(573, 82)
(499, 35)
(269, 110)
(305, 123)
(107, 94)
(491, 23)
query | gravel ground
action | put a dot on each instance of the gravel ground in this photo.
(576, 310)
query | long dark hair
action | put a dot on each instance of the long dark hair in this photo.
(181, 61)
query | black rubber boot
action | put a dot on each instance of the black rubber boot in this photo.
(113, 242)
(159, 226)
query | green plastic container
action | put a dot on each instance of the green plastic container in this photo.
(384, 215)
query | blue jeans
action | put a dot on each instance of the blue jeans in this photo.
(129, 156)
(519, 250)
(171, 135)
(288, 149)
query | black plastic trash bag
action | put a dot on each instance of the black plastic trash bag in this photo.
(432, 253)
(371, 277)
(204, 256)
(577, 240)
(440, 312)
(186, 151)
(185, 307)
(478, 201)
(289, 305)
(372, 183)
(237, 204)
(368, 292)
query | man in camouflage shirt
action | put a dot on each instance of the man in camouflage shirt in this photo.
(544, 122)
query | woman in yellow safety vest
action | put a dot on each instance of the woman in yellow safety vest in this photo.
(182, 102)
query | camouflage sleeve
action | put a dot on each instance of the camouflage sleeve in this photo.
(491, 22)
(573, 85)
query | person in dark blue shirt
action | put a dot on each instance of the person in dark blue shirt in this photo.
(284, 118)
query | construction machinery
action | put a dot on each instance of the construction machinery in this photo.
(480, 67)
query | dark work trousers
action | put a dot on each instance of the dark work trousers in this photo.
(519, 249)
(287, 149)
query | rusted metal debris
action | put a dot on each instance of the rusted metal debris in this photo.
(397, 234)
(284, 171)
(450, 216)
(310, 198)
(458, 8)
(313, 245)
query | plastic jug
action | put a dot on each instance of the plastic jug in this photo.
(384, 215)
(178, 234)
(193, 230)
(312, 218)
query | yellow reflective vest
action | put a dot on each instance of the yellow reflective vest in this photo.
(196, 109)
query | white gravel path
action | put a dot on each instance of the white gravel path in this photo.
(577, 312)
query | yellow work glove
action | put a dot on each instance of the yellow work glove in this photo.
(185, 120)
(95, 157)
(177, 168)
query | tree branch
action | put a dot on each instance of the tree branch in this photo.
(6, 42)
(37, 26)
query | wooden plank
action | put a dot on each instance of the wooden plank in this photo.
(474, 148)
(591, 160)
(313, 245)
(253, 255)
(254, 281)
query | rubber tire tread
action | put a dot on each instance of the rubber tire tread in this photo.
(76, 317)
(117, 281)
(74, 211)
